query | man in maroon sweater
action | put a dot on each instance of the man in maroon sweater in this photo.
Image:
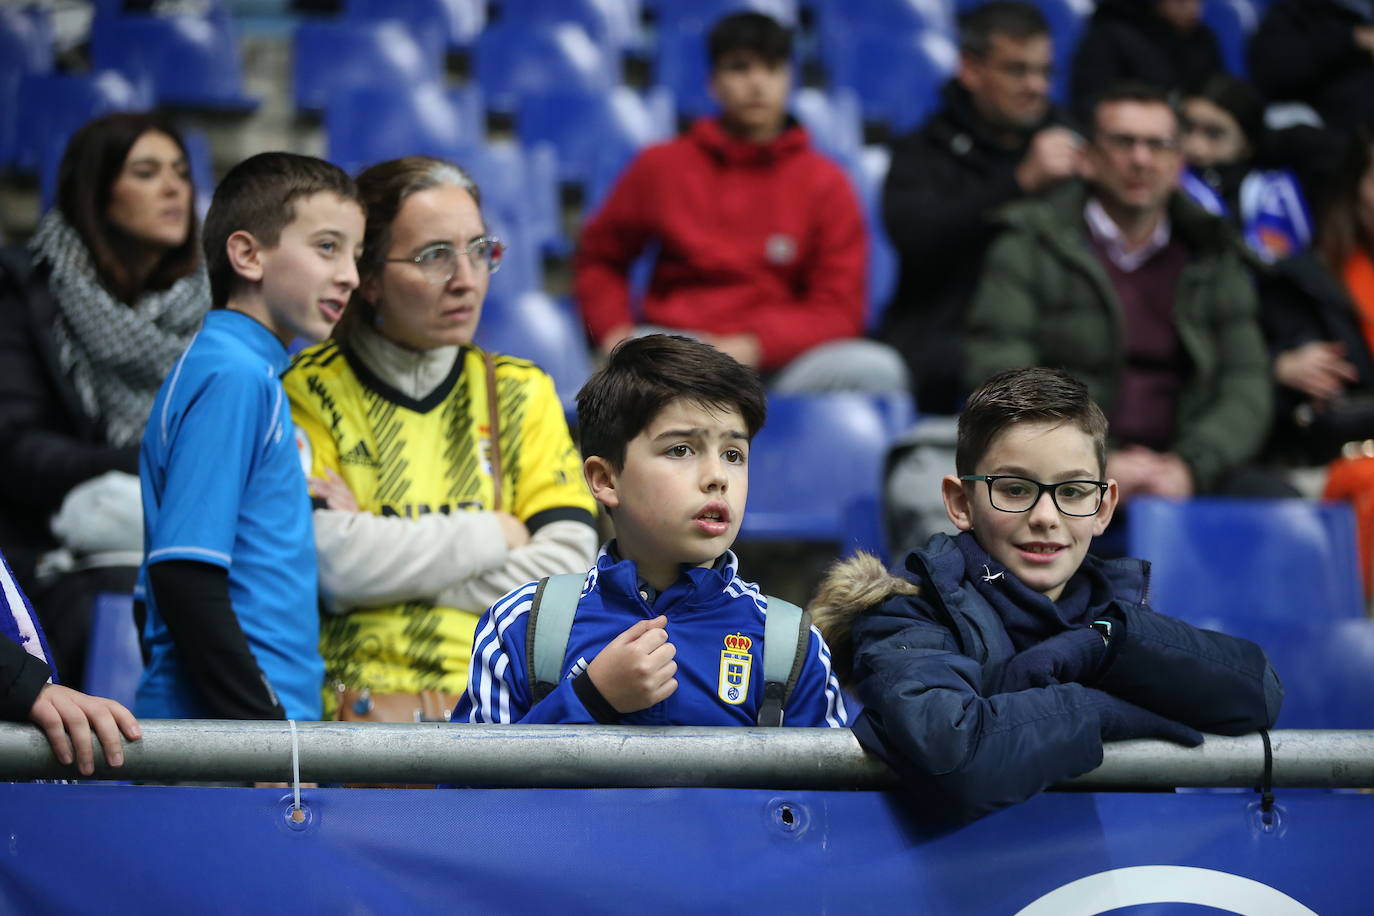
(762, 248)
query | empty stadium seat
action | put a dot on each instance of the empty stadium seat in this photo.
(817, 458)
(587, 129)
(1233, 22)
(612, 24)
(1279, 572)
(25, 47)
(336, 55)
(534, 326)
(51, 106)
(897, 76)
(832, 120)
(867, 170)
(516, 59)
(188, 61)
(365, 125)
(113, 659)
(453, 24)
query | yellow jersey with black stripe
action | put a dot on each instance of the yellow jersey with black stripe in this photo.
(406, 457)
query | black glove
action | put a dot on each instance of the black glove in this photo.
(1074, 655)
(1120, 720)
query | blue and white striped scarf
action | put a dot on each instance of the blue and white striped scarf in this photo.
(18, 622)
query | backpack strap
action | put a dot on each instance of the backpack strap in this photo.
(546, 637)
(786, 634)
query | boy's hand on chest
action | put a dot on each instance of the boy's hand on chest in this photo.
(636, 670)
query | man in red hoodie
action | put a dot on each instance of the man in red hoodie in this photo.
(762, 247)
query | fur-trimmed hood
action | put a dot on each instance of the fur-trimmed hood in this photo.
(849, 588)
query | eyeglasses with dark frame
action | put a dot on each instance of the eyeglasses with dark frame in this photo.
(439, 262)
(1009, 493)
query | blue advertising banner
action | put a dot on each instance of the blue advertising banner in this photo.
(136, 849)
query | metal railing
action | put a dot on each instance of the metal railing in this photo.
(615, 756)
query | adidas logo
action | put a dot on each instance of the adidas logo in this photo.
(358, 454)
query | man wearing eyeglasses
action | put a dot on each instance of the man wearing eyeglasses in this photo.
(996, 138)
(1127, 284)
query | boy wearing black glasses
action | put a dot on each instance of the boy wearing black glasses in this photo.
(1006, 656)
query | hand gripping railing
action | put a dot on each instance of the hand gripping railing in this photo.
(615, 756)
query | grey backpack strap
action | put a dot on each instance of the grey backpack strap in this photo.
(786, 634)
(546, 637)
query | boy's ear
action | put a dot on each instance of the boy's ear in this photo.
(245, 255)
(1103, 518)
(601, 479)
(957, 502)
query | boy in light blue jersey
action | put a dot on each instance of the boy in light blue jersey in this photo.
(230, 575)
(665, 631)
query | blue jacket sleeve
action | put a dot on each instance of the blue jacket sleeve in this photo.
(816, 699)
(926, 715)
(498, 677)
(1214, 682)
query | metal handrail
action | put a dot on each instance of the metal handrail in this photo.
(577, 756)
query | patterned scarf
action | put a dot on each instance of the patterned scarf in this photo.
(115, 354)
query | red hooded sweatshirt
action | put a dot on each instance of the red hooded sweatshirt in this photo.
(759, 238)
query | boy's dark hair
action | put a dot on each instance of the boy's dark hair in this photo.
(1015, 20)
(258, 196)
(1132, 91)
(646, 374)
(91, 164)
(763, 35)
(1026, 396)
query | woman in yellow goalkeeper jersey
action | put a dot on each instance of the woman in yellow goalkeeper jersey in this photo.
(444, 475)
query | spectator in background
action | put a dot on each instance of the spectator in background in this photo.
(1259, 179)
(995, 138)
(1128, 285)
(1320, 52)
(447, 474)
(1160, 42)
(1318, 311)
(29, 691)
(762, 250)
(92, 317)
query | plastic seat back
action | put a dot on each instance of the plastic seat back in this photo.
(51, 106)
(113, 659)
(816, 459)
(341, 54)
(187, 61)
(453, 24)
(1279, 572)
(516, 59)
(534, 326)
(370, 124)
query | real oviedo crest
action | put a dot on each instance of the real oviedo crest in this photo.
(735, 663)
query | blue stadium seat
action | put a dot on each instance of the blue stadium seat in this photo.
(813, 463)
(898, 17)
(612, 24)
(520, 203)
(867, 170)
(369, 124)
(534, 326)
(453, 24)
(589, 128)
(189, 61)
(336, 55)
(832, 120)
(1233, 22)
(1282, 573)
(516, 59)
(113, 659)
(25, 47)
(897, 76)
(51, 106)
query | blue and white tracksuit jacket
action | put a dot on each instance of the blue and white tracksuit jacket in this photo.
(715, 620)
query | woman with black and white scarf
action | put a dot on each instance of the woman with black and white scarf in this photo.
(93, 313)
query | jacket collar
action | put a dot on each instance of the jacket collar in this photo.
(711, 136)
(696, 586)
(253, 334)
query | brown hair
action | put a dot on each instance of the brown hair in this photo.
(645, 374)
(384, 188)
(258, 196)
(91, 164)
(1026, 396)
(1339, 231)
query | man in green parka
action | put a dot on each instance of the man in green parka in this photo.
(1125, 283)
